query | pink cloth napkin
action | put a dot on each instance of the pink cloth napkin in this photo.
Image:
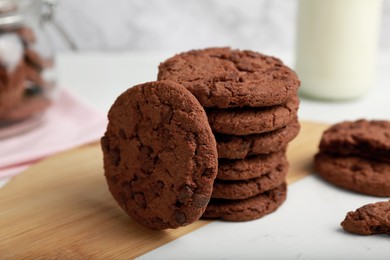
(67, 124)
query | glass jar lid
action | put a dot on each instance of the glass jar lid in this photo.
(13, 13)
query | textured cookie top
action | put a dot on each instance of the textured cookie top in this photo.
(369, 139)
(160, 155)
(222, 77)
(369, 219)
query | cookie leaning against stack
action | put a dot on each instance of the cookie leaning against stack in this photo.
(251, 103)
(356, 156)
(160, 156)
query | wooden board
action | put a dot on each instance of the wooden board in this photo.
(61, 208)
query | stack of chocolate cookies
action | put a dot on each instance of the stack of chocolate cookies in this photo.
(251, 104)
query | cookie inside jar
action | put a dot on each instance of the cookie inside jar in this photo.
(26, 67)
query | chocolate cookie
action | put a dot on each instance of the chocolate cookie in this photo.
(370, 139)
(12, 88)
(27, 35)
(244, 189)
(355, 173)
(239, 147)
(30, 106)
(222, 77)
(369, 219)
(160, 156)
(251, 167)
(248, 209)
(246, 121)
(34, 59)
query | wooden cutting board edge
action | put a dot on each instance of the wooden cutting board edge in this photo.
(29, 233)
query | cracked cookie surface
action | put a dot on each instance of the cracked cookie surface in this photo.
(222, 77)
(160, 155)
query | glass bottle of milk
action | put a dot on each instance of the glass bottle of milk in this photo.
(336, 47)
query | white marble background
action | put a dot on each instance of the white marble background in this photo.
(165, 25)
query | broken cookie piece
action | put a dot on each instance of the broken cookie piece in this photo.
(369, 219)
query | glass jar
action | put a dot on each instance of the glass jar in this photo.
(27, 79)
(336, 48)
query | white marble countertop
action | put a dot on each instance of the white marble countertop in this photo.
(98, 78)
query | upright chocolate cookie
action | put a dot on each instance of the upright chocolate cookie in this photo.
(369, 219)
(246, 121)
(248, 209)
(222, 77)
(239, 147)
(251, 167)
(354, 173)
(160, 155)
(234, 190)
(370, 139)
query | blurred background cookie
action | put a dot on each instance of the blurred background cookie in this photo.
(355, 155)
